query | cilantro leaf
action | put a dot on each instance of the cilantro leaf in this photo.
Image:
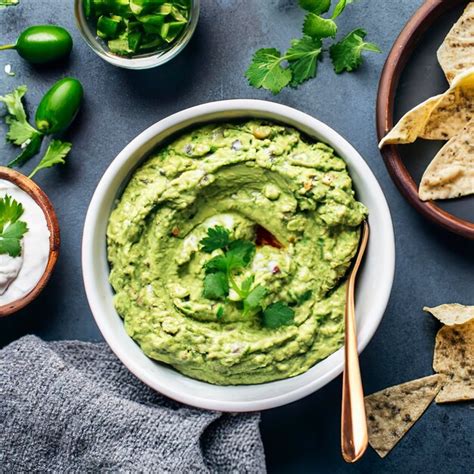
(217, 238)
(318, 27)
(277, 314)
(265, 71)
(240, 253)
(11, 228)
(247, 284)
(303, 59)
(315, 6)
(14, 104)
(340, 6)
(29, 149)
(19, 132)
(253, 301)
(216, 286)
(220, 312)
(217, 264)
(347, 54)
(55, 154)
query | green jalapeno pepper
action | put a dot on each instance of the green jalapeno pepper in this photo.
(59, 106)
(42, 44)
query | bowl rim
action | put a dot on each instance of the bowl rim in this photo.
(37, 194)
(148, 61)
(237, 108)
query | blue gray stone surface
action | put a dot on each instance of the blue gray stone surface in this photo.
(433, 267)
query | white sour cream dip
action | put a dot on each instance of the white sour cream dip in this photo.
(19, 275)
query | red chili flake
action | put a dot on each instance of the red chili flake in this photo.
(264, 237)
(175, 231)
(276, 269)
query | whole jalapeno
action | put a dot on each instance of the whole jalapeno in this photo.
(42, 44)
(59, 106)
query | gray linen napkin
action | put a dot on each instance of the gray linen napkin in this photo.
(73, 407)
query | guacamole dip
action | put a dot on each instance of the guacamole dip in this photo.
(263, 183)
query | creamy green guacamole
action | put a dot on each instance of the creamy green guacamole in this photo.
(239, 176)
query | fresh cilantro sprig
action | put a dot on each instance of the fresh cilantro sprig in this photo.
(21, 133)
(12, 228)
(272, 70)
(220, 279)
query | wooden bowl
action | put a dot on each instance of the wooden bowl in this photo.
(27, 185)
(402, 50)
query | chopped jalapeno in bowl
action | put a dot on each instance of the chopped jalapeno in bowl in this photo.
(137, 34)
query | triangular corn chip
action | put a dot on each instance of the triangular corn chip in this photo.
(451, 314)
(456, 54)
(439, 118)
(454, 357)
(451, 173)
(393, 411)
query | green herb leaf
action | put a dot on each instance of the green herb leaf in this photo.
(277, 314)
(315, 6)
(216, 286)
(253, 301)
(217, 264)
(218, 237)
(11, 228)
(347, 54)
(14, 104)
(303, 59)
(340, 6)
(318, 27)
(240, 253)
(247, 285)
(29, 149)
(266, 71)
(19, 132)
(220, 312)
(55, 154)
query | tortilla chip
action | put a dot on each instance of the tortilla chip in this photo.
(393, 411)
(454, 357)
(451, 173)
(456, 54)
(439, 118)
(451, 314)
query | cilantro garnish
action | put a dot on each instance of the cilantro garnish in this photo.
(347, 54)
(220, 276)
(12, 228)
(278, 314)
(55, 154)
(272, 70)
(20, 132)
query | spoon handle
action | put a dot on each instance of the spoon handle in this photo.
(354, 435)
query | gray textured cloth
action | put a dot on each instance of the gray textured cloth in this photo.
(73, 407)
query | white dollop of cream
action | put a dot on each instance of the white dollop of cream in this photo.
(19, 275)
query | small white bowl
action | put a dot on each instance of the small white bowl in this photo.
(374, 284)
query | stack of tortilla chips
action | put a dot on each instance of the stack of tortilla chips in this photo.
(393, 411)
(448, 116)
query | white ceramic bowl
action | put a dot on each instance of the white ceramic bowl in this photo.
(374, 286)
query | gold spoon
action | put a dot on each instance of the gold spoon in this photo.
(354, 435)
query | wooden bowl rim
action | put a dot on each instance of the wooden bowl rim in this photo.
(38, 195)
(396, 61)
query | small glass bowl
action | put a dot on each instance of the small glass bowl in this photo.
(142, 61)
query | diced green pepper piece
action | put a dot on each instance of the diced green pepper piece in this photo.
(165, 9)
(150, 43)
(120, 46)
(109, 27)
(87, 8)
(139, 7)
(152, 23)
(134, 40)
(171, 30)
(119, 7)
(98, 7)
(177, 15)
